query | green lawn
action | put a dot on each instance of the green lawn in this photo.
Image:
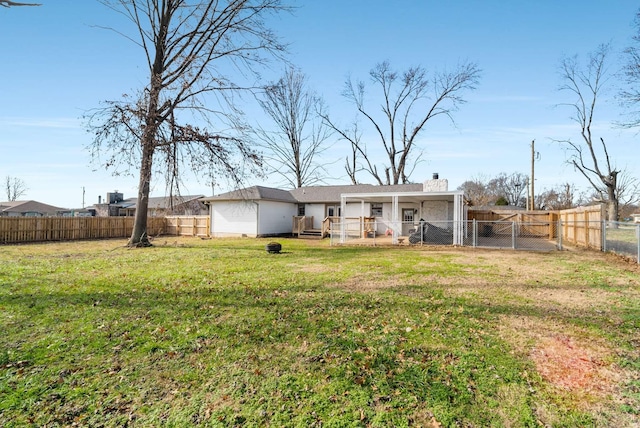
(220, 333)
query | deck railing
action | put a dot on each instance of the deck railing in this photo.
(302, 223)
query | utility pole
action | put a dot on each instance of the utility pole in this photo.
(533, 152)
(534, 157)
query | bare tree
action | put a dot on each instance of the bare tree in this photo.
(559, 198)
(15, 187)
(352, 165)
(292, 151)
(186, 45)
(590, 156)
(510, 187)
(628, 189)
(630, 94)
(9, 3)
(476, 192)
(409, 101)
(481, 191)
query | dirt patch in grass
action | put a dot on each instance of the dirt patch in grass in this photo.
(570, 365)
(577, 366)
(371, 282)
(311, 268)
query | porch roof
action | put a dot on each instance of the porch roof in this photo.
(415, 197)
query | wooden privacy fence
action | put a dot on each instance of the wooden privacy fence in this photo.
(197, 225)
(15, 230)
(531, 223)
(583, 226)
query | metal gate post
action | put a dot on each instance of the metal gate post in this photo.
(474, 232)
(604, 236)
(513, 234)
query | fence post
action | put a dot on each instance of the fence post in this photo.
(375, 229)
(559, 234)
(474, 232)
(513, 235)
(603, 227)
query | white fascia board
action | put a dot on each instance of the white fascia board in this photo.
(400, 194)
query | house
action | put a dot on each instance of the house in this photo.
(115, 205)
(28, 209)
(393, 210)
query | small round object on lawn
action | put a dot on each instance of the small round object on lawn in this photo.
(273, 247)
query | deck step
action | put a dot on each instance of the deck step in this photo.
(310, 234)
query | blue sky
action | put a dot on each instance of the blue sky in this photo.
(57, 65)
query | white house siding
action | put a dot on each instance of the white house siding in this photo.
(437, 211)
(355, 209)
(234, 218)
(275, 218)
(318, 213)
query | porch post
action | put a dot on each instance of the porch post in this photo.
(362, 219)
(394, 219)
(343, 206)
(457, 220)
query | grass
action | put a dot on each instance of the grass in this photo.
(220, 333)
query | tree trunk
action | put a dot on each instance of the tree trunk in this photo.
(612, 205)
(139, 236)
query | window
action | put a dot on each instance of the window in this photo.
(333, 211)
(300, 210)
(376, 210)
(407, 215)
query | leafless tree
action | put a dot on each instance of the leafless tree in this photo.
(186, 46)
(590, 155)
(293, 150)
(628, 189)
(352, 165)
(9, 3)
(510, 187)
(630, 94)
(409, 101)
(481, 191)
(476, 192)
(559, 198)
(15, 187)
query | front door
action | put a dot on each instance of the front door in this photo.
(407, 220)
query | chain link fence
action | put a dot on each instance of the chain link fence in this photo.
(540, 236)
(617, 237)
(621, 238)
(491, 234)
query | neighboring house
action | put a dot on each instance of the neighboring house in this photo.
(394, 210)
(28, 209)
(116, 206)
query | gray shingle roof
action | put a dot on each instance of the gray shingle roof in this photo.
(255, 193)
(28, 206)
(310, 194)
(159, 202)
